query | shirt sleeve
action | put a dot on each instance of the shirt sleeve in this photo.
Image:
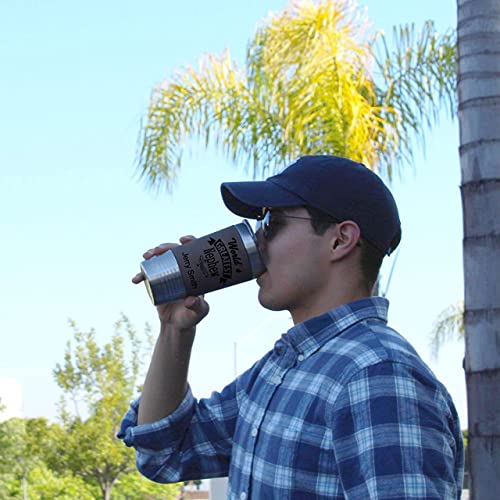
(395, 437)
(193, 442)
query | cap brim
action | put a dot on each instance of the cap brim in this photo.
(247, 199)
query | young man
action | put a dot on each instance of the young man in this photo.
(343, 406)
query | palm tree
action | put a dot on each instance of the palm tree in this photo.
(317, 79)
(479, 121)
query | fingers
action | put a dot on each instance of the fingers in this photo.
(158, 250)
(187, 238)
(138, 278)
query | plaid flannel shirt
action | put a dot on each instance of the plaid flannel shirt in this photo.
(342, 407)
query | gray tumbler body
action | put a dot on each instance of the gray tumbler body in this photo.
(218, 260)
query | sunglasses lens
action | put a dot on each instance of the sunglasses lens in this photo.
(264, 224)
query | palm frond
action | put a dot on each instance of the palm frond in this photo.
(311, 65)
(448, 326)
(417, 76)
(198, 103)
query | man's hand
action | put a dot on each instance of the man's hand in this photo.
(183, 314)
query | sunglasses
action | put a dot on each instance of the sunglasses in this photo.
(270, 222)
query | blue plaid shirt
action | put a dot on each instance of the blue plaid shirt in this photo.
(342, 407)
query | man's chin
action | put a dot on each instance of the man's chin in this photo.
(268, 303)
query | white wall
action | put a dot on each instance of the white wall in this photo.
(11, 398)
(218, 488)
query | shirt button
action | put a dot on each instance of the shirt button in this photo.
(254, 432)
(276, 380)
(243, 495)
(300, 357)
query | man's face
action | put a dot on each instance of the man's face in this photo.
(297, 262)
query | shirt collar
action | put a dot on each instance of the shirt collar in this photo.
(308, 336)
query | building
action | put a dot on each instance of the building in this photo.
(11, 399)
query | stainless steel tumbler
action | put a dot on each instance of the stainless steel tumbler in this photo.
(218, 260)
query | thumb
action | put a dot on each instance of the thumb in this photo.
(197, 305)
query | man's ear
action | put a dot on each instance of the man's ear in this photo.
(345, 237)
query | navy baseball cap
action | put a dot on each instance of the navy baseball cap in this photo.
(342, 188)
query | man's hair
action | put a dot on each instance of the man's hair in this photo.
(371, 258)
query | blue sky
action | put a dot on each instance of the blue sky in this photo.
(74, 219)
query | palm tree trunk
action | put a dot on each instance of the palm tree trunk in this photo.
(479, 120)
